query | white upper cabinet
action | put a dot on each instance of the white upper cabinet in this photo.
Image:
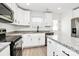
(48, 18)
(76, 13)
(21, 17)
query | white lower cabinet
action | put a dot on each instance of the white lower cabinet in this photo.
(41, 39)
(32, 40)
(56, 49)
(26, 40)
(51, 47)
(5, 52)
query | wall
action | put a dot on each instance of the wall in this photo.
(66, 23)
(25, 28)
(7, 26)
(37, 14)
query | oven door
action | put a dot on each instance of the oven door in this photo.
(18, 48)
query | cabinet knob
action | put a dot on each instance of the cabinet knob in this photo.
(53, 53)
(56, 55)
(31, 39)
(39, 39)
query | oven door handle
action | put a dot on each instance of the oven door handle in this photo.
(20, 41)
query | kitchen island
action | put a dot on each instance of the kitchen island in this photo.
(32, 38)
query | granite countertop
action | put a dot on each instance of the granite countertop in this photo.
(25, 32)
(3, 45)
(13, 38)
(65, 40)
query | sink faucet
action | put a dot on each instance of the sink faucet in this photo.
(37, 28)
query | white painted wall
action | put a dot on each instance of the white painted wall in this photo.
(66, 23)
(7, 26)
(37, 14)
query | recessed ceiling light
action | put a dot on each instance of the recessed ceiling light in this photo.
(59, 8)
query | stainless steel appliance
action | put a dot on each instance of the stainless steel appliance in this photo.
(6, 14)
(75, 27)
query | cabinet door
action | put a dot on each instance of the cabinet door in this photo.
(27, 18)
(38, 39)
(24, 17)
(41, 39)
(50, 47)
(21, 17)
(48, 18)
(27, 40)
(35, 40)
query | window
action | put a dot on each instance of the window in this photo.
(37, 19)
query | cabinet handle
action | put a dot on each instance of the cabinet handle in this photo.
(65, 53)
(53, 53)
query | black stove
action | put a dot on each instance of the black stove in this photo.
(16, 43)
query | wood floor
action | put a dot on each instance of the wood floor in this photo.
(38, 51)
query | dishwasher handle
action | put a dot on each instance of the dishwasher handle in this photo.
(65, 53)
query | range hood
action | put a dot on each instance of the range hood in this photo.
(6, 14)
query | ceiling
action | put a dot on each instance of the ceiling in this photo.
(54, 7)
